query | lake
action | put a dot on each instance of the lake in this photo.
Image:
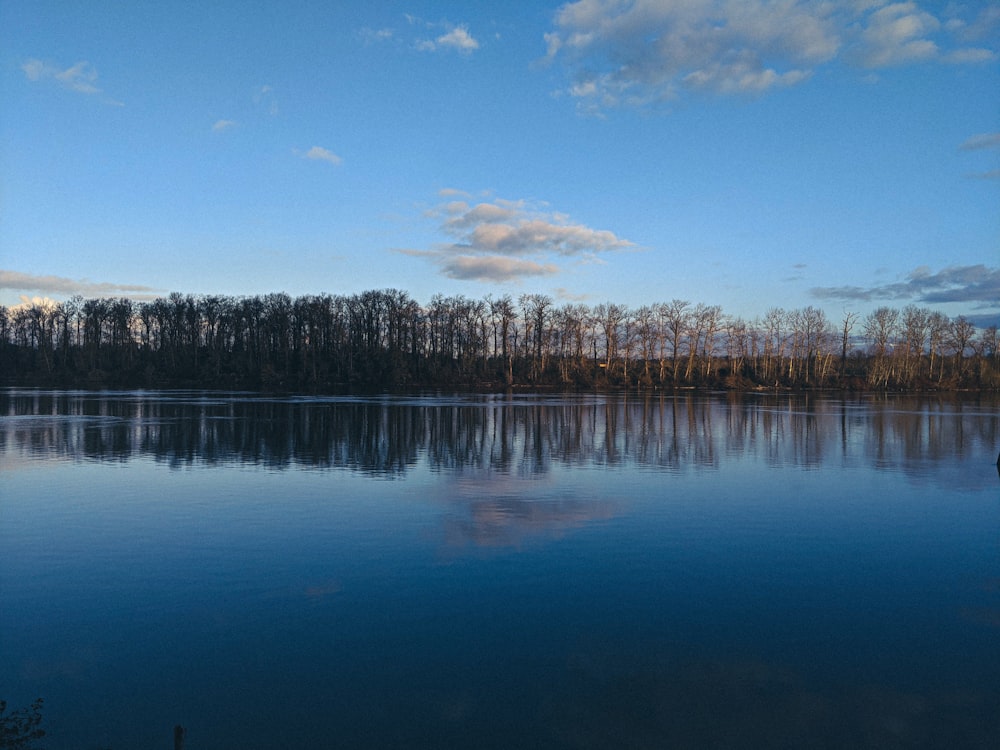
(500, 571)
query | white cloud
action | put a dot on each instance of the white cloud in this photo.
(637, 52)
(221, 125)
(464, 217)
(502, 240)
(518, 228)
(647, 51)
(459, 39)
(36, 70)
(454, 37)
(80, 78)
(541, 236)
(43, 303)
(318, 153)
(897, 34)
(745, 77)
(59, 285)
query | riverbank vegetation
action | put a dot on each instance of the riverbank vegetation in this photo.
(383, 339)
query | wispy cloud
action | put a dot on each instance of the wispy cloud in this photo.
(221, 125)
(976, 28)
(62, 286)
(318, 153)
(503, 240)
(638, 53)
(970, 56)
(429, 36)
(375, 36)
(80, 78)
(265, 99)
(565, 294)
(974, 284)
(453, 193)
(981, 141)
(494, 268)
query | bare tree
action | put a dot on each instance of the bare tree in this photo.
(503, 317)
(713, 321)
(915, 330)
(960, 335)
(988, 351)
(775, 322)
(610, 316)
(815, 332)
(738, 345)
(847, 325)
(674, 316)
(536, 309)
(695, 329)
(880, 329)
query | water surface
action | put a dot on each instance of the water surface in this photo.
(496, 571)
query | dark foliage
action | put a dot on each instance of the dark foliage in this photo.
(383, 340)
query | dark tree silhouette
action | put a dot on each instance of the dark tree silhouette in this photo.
(383, 339)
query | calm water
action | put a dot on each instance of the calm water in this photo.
(472, 571)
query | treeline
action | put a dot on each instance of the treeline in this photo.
(383, 339)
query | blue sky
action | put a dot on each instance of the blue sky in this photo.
(748, 154)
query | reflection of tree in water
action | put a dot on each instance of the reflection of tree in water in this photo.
(526, 436)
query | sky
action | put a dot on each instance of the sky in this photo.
(843, 154)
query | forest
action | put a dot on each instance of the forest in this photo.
(385, 340)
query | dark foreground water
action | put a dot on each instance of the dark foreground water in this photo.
(501, 572)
